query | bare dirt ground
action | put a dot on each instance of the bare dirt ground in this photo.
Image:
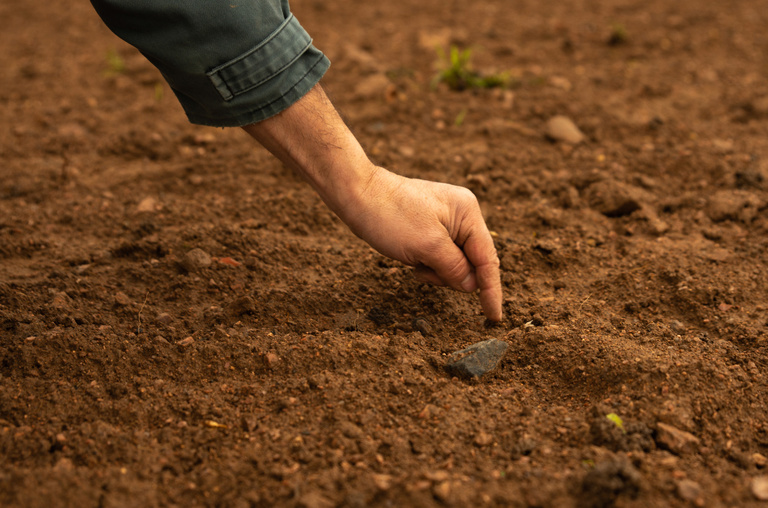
(303, 369)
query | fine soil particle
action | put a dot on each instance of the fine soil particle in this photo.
(294, 366)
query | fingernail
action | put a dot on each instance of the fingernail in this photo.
(468, 284)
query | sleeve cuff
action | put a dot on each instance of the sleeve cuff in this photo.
(271, 57)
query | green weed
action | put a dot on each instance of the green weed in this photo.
(115, 63)
(616, 419)
(619, 35)
(460, 118)
(456, 72)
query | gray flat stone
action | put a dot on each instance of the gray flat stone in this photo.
(477, 359)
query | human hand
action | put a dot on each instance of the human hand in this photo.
(435, 227)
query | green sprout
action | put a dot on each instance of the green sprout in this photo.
(457, 72)
(460, 118)
(618, 35)
(115, 63)
(616, 419)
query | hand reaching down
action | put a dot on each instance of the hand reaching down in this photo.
(436, 228)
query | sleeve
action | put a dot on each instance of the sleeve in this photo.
(229, 62)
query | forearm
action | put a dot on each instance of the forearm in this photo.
(311, 138)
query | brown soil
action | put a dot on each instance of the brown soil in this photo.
(292, 371)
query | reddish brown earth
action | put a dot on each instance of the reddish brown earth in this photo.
(291, 372)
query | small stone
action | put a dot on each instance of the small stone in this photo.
(406, 151)
(562, 128)
(760, 487)
(442, 491)
(270, 360)
(437, 476)
(164, 318)
(429, 411)
(483, 439)
(186, 341)
(722, 145)
(60, 301)
(122, 299)
(314, 499)
(561, 83)
(423, 326)
(148, 204)
(688, 490)
(63, 465)
(477, 359)
(759, 459)
(677, 327)
(229, 262)
(195, 260)
(351, 430)
(674, 439)
(382, 481)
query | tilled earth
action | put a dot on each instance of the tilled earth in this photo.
(294, 366)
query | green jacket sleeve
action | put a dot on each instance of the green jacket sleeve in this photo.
(230, 63)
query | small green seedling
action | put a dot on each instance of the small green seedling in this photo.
(457, 72)
(159, 91)
(115, 63)
(460, 118)
(616, 419)
(618, 35)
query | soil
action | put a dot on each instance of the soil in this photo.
(288, 364)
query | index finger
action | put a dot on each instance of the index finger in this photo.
(482, 254)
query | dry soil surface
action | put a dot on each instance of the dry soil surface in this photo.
(301, 368)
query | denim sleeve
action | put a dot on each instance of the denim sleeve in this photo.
(229, 62)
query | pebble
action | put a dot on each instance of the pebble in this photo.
(677, 327)
(423, 326)
(270, 359)
(759, 459)
(674, 439)
(760, 487)
(148, 204)
(477, 359)
(186, 341)
(562, 128)
(122, 299)
(483, 439)
(689, 490)
(164, 318)
(195, 260)
(382, 481)
(442, 491)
